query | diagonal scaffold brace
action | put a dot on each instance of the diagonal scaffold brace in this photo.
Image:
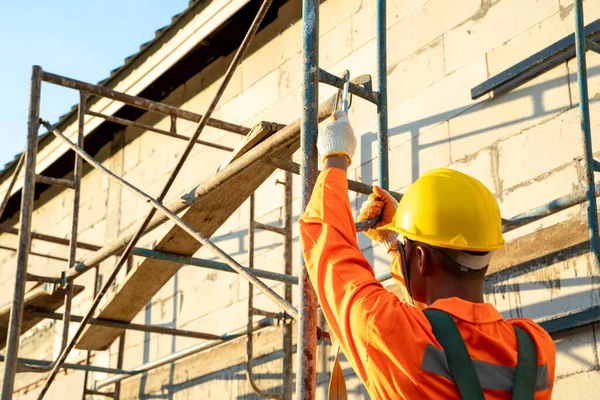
(237, 59)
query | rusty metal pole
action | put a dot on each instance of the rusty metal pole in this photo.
(288, 323)
(307, 337)
(27, 199)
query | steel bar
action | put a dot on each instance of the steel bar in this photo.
(557, 205)
(88, 355)
(135, 124)
(288, 366)
(45, 279)
(13, 180)
(128, 325)
(88, 392)
(382, 109)
(535, 65)
(587, 135)
(354, 88)
(285, 137)
(198, 262)
(27, 199)
(140, 102)
(307, 327)
(210, 264)
(33, 253)
(48, 180)
(77, 367)
(249, 335)
(271, 228)
(290, 166)
(184, 353)
(593, 46)
(264, 313)
(120, 359)
(572, 320)
(245, 273)
(76, 185)
(48, 238)
(237, 59)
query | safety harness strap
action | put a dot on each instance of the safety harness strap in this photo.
(526, 373)
(462, 368)
(459, 361)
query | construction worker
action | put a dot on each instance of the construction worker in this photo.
(441, 238)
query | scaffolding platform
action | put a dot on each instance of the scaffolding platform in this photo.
(42, 297)
(206, 215)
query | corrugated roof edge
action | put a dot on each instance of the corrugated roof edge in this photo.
(110, 81)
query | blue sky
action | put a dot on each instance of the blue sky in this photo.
(79, 39)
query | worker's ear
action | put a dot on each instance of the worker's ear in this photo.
(423, 261)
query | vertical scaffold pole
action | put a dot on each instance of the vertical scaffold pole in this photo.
(307, 338)
(382, 108)
(27, 199)
(587, 135)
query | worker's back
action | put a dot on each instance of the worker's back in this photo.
(391, 345)
(404, 359)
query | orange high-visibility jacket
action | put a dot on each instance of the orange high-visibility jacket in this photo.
(390, 344)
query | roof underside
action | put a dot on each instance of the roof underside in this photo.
(222, 42)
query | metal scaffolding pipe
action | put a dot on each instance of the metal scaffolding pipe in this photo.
(250, 277)
(358, 187)
(382, 111)
(135, 124)
(307, 327)
(237, 59)
(48, 238)
(127, 325)
(184, 353)
(210, 264)
(354, 88)
(557, 205)
(140, 102)
(27, 199)
(284, 137)
(12, 183)
(249, 336)
(48, 180)
(288, 345)
(584, 106)
(78, 367)
(270, 228)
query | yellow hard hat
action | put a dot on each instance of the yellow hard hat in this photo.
(449, 209)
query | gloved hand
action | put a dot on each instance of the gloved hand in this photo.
(337, 138)
(381, 203)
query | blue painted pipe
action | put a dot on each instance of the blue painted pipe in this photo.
(210, 264)
(382, 111)
(587, 135)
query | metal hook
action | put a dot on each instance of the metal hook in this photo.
(344, 97)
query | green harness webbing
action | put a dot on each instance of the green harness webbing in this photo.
(462, 368)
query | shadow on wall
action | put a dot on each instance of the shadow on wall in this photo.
(495, 284)
(147, 342)
(237, 373)
(413, 128)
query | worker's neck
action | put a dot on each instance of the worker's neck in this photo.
(471, 291)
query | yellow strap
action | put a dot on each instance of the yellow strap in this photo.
(337, 383)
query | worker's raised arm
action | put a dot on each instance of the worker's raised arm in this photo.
(342, 277)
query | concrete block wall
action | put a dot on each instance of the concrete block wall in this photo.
(525, 146)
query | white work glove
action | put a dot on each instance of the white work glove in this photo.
(382, 203)
(337, 138)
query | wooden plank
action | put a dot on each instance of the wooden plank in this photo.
(42, 297)
(206, 215)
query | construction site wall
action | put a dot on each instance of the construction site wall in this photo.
(525, 146)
